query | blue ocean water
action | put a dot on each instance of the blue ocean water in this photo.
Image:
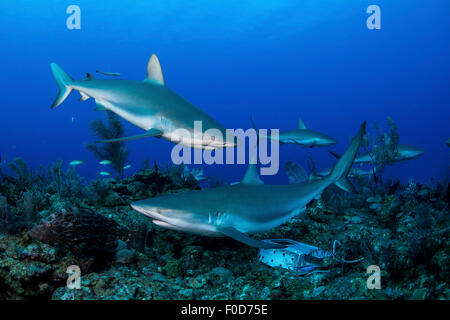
(274, 60)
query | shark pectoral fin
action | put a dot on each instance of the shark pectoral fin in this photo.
(346, 185)
(149, 133)
(334, 154)
(242, 237)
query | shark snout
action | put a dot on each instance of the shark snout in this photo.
(325, 141)
(154, 210)
(420, 152)
(331, 141)
(146, 210)
(416, 153)
(138, 208)
(409, 152)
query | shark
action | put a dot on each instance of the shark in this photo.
(297, 174)
(302, 136)
(354, 172)
(149, 105)
(404, 152)
(447, 142)
(246, 207)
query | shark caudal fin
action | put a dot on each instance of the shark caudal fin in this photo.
(345, 162)
(63, 80)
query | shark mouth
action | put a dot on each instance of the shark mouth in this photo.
(158, 218)
(167, 225)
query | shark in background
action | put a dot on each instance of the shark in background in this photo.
(404, 152)
(149, 105)
(246, 207)
(301, 136)
(296, 174)
(354, 172)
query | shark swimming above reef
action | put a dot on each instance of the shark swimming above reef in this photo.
(246, 207)
(148, 104)
(404, 152)
(302, 136)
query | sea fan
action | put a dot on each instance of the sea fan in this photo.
(116, 152)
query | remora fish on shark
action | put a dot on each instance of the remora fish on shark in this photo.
(302, 136)
(114, 74)
(404, 152)
(148, 104)
(246, 207)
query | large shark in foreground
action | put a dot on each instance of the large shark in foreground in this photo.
(148, 104)
(246, 207)
(302, 136)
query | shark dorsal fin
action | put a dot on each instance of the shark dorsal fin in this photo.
(154, 71)
(301, 125)
(252, 176)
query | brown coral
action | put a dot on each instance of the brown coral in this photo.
(83, 232)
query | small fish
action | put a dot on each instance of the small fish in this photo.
(73, 119)
(76, 162)
(128, 166)
(105, 162)
(115, 74)
(104, 173)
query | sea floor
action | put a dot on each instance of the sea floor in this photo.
(402, 229)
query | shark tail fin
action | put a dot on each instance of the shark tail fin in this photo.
(345, 162)
(63, 80)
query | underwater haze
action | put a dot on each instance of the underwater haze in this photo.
(93, 205)
(275, 61)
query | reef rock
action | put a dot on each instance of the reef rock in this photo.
(80, 231)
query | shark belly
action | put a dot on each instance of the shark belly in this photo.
(197, 229)
(249, 226)
(145, 122)
(170, 131)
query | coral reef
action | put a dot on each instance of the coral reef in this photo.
(402, 228)
(382, 147)
(80, 231)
